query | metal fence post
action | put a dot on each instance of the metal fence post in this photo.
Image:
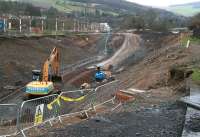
(106, 91)
(8, 119)
(27, 115)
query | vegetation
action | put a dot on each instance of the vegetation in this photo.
(195, 25)
(118, 13)
(193, 40)
(196, 75)
(185, 10)
(190, 9)
(153, 20)
(18, 8)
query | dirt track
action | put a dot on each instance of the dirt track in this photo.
(130, 45)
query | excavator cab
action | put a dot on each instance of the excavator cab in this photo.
(36, 75)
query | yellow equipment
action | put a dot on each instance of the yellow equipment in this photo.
(50, 72)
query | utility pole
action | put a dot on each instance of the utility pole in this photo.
(91, 28)
(88, 25)
(82, 26)
(20, 25)
(42, 25)
(74, 25)
(56, 24)
(30, 23)
(9, 25)
(4, 27)
(63, 25)
(78, 26)
(86, 13)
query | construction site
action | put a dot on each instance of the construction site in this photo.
(160, 85)
(88, 79)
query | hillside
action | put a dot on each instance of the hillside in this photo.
(120, 14)
(112, 6)
(189, 9)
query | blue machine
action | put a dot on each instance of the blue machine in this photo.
(1, 25)
(100, 76)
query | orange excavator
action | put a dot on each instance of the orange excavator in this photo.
(44, 85)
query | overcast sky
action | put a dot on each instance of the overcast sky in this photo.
(162, 3)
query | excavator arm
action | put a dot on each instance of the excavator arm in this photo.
(51, 66)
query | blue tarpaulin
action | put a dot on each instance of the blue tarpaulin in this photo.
(1, 25)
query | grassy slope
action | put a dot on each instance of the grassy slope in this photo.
(188, 9)
(196, 69)
(68, 6)
(185, 10)
(196, 75)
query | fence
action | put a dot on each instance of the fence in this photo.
(69, 68)
(35, 111)
(106, 92)
(83, 97)
(33, 26)
(38, 111)
(8, 119)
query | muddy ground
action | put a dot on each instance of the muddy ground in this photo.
(19, 56)
(160, 67)
(165, 120)
(153, 114)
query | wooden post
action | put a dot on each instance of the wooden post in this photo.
(188, 44)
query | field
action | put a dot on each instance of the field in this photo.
(185, 10)
(69, 6)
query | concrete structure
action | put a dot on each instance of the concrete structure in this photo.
(104, 27)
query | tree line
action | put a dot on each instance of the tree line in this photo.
(18, 8)
(195, 25)
(152, 19)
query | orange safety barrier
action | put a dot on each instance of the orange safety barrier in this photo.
(124, 97)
